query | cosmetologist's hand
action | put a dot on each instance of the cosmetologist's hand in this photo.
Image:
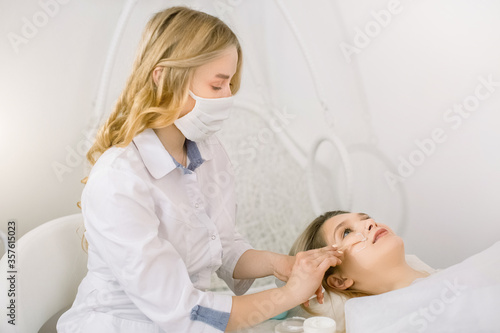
(309, 270)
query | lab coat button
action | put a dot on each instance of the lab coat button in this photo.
(213, 237)
(196, 205)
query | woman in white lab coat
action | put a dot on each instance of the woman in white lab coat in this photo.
(159, 205)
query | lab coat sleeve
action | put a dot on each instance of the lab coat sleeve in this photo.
(233, 247)
(122, 226)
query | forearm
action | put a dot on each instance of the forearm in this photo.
(249, 310)
(305, 278)
(255, 264)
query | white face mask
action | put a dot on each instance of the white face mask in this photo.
(206, 117)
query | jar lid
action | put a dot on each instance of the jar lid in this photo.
(320, 325)
(290, 325)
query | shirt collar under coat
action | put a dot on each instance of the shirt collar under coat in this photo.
(157, 159)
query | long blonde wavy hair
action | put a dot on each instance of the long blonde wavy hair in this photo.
(312, 238)
(178, 40)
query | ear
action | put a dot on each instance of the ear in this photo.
(336, 281)
(156, 74)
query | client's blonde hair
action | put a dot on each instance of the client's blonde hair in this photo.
(312, 238)
(178, 40)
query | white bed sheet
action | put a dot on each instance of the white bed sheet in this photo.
(462, 298)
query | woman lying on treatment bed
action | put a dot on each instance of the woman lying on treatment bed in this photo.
(461, 298)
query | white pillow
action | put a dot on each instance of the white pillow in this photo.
(333, 305)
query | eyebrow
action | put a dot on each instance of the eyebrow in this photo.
(222, 76)
(341, 224)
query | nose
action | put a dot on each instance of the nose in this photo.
(370, 224)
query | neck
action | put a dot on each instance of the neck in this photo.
(398, 277)
(173, 141)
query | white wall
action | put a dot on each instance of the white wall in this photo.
(47, 87)
(395, 91)
(424, 62)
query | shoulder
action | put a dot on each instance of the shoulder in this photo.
(117, 167)
(121, 159)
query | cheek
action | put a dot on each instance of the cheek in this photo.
(364, 260)
(357, 265)
(201, 87)
(187, 107)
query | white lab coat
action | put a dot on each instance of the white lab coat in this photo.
(156, 232)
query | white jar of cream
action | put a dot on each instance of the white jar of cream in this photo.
(320, 325)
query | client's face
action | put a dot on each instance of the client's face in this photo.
(370, 248)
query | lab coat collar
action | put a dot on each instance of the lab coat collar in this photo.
(157, 159)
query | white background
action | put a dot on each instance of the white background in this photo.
(394, 91)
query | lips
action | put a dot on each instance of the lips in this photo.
(380, 232)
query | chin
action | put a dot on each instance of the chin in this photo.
(387, 251)
(389, 240)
